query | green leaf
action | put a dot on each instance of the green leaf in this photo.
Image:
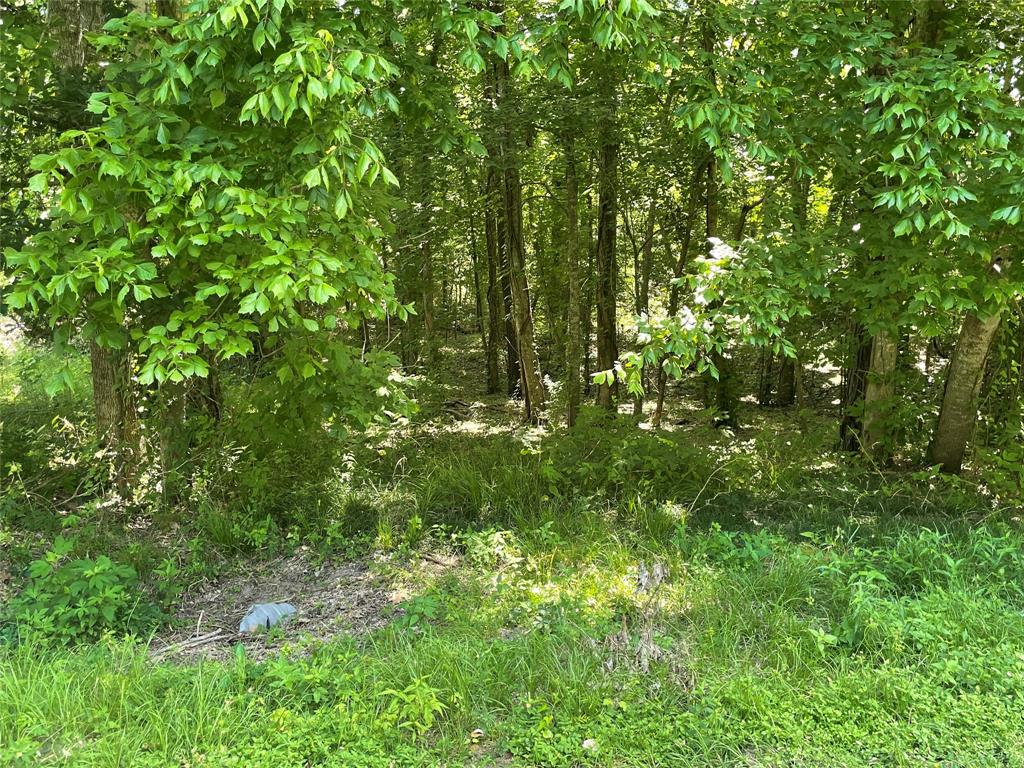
(39, 183)
(353, 59)
(341, 205)
(315, 90)
(312, 177)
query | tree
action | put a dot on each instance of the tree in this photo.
(225, 197)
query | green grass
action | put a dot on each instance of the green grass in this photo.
(816, 611)
(766, 651)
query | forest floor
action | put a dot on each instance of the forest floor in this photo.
(473, 592)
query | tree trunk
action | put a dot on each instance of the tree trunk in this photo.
(643, 292)
(529, 364)
(113, 400)
(426, 274)
(855, 387)
(725, 398)
(117, 422)
(173, 399)
(497, 231)
(574, 344)
(878, 396)
(512, 365)
(106, 400)
(607, 340)
(478, 300)
(787, 381)
(963, 382)
(69, 21)
(587, 307)
(495, 305)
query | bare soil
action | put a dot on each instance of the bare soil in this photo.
(330, 599)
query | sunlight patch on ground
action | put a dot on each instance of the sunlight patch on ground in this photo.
(11, 336)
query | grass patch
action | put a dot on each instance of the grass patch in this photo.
(611, 597)
(541, 649)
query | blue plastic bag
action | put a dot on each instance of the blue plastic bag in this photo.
(265, 615)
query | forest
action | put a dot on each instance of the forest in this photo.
(547, 383)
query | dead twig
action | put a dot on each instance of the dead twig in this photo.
(190, 644)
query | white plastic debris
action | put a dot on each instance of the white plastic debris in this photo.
(265, 615)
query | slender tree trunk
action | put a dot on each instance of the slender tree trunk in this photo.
(787, 381)
(587, 308)
(428, 290)
(113, 399)
(106, 400)
(607, 338)
(495, 305)
(879, 393)
(530, 376)
(173, 401)
(854, 389)
(512, 365)
(478, 300)
(117, 422)
(574, 344)
(643, 291)
(963, 382)
(427, 297)
(497, 253)
(725, 398)
(789, 368)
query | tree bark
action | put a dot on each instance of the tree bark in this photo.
(173, 402)
(106, 402)
(607, 338)
(855, 378)
(644, 267)
(963, 382)
(428, 290)
(787, 381)
(113, 399)
(69, 21)
(879, 392)
(529, 364)
(512, 365)
(725, 399)
(574, 344)
(495, 305)
(497, 232)
(587, 307)
(478, 299)
(117, 422)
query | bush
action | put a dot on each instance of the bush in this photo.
(79, 600)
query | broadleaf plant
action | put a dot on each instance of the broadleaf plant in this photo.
(227, 202)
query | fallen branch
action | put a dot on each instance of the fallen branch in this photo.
(191, 643)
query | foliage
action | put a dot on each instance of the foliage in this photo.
(273, 222)
(78, 600)
(852, 643)
(176, 238)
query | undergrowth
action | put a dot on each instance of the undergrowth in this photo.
(619, 598)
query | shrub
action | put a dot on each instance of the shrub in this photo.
(79, 600)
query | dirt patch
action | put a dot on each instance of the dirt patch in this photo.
(330, 599)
